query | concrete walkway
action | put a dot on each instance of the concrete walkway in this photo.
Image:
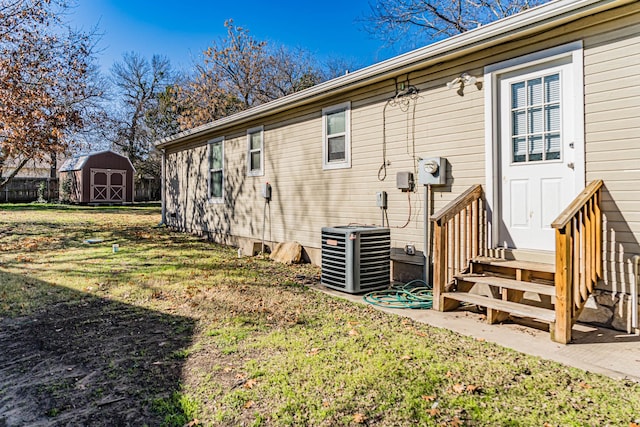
(603, 351)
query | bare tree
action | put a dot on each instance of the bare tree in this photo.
(420, 21)
(45, 80)
(288, 71)
(240, 72)
(141, 87)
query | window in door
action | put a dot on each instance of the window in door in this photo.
(535, 119)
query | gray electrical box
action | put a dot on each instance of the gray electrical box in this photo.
(266, 191)
(404, 181)
(381, 199)
(432, 171)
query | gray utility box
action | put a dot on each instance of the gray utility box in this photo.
(356, 259)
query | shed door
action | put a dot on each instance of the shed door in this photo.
(536, 142)
(108, 185)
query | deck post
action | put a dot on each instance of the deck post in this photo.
(561, 330)
(439, 265)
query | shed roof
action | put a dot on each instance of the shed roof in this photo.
(76, 163)
(522, 24)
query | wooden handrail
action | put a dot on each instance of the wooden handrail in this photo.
(453, 207)
(577, 204)
(578, 257)
(459, 236)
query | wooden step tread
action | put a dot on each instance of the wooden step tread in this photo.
(506, 306)
(522, 265)
(517, 285)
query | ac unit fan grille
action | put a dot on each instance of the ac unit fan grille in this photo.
(356, 259)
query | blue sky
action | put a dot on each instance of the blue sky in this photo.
(182, 29)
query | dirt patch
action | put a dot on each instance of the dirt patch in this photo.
(89, 361)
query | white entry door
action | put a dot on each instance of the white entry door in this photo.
(537, 173)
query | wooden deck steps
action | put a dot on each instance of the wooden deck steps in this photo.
(460, 237)
(515, 264)
(513, 308)
(504, 283)
(500, 287)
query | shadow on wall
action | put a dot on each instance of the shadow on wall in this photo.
(620, 245)
(85, 360)
(188, 205)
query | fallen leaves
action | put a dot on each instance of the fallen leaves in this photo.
(314, 351)
(250, 383)
(359, 418)
(460, 388)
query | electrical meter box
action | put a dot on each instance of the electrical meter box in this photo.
(432, 171)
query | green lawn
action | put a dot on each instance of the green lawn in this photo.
(222, 340)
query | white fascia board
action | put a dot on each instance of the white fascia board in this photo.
(519, 25)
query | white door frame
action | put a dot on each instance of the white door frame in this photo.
(492, 74)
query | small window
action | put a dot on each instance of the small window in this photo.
(255, 153)
(336, 149)
(216, 170)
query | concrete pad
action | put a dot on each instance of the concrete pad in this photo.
(604, 351)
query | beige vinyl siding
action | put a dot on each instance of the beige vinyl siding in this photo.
(612, 119)
(306, 197)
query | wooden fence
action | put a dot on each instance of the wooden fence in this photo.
(29, 190)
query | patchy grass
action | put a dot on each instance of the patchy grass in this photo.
(182, 331)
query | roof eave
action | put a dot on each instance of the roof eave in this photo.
(516, 26)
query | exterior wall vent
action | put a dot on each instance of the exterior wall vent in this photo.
(356, 259)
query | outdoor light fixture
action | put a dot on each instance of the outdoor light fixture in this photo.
(465, 79)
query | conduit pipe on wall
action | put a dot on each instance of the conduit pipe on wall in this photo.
(427, 233)
(634, 295)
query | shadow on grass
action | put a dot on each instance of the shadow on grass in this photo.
(151, 207)
(84, 360)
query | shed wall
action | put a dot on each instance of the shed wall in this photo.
(106, 160)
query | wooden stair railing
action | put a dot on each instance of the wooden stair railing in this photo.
(459, 236)
(578, 258)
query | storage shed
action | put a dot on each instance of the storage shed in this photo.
(100, 177)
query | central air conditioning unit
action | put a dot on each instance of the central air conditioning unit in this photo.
(356, 259)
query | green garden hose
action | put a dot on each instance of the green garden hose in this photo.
(414, 294)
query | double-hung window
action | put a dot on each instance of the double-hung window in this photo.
(216, 170)
(255, 151)
(336, 134)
